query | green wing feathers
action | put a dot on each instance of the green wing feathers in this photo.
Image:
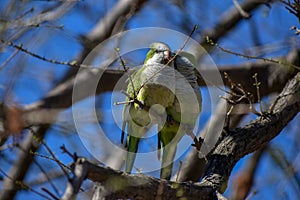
(179, 97)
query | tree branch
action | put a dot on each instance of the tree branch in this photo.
(139, 186)
(58, 102)
(222, 159)
(105, 28)
(272, 78)
(242, 141)
(228, 22)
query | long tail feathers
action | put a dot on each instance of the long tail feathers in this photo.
(133, 144)
(169, 152)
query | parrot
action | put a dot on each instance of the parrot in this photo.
(183, 114)
(163, 92)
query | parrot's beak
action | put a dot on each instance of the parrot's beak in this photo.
(166, 56)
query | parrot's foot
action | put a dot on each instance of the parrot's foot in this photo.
(198, 143)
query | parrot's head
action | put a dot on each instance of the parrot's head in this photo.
(159, 53)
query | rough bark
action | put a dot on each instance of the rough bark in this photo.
(221, 160)
(272, 79)
(242, 141)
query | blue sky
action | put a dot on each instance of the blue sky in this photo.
(30, 79)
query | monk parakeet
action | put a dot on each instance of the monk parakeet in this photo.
(174, 88)
(183, 114)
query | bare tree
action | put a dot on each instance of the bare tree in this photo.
(45, 56)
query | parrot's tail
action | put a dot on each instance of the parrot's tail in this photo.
(169, 152)
(132, 148)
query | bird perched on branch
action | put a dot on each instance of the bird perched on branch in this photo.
(164, 92)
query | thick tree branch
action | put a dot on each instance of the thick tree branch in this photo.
(126, 186)
(229, 21)
(53, 97)
(242, 141)
(276, 77)
(45, 16)
(231, 148)
(105, 28)
(272, 78)
(80, 173)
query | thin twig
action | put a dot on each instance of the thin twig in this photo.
(240, 9)
(9, 59)
(56, 160)
(50, 193)
(132, 100)
(172, 59)
(21, 48)
(25, 13)
(24, 186)
(123, 102)
(126, 70)
(48, 158)
(257, 84)
(237, 95)
(65, 150)
(47, 177)
(209, 41)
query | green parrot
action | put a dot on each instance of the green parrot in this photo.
(183, 114)
(155, 90)
(174, 88)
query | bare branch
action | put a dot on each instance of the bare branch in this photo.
(126, 186)
(275, 77)
(271, 60)
(44, 16)
(242, 141)
(240, 9)
(21, 48)
(9, 59)
(222, 159)
(229, 21)
(60, 100)
(104, 27)
(80, 173)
